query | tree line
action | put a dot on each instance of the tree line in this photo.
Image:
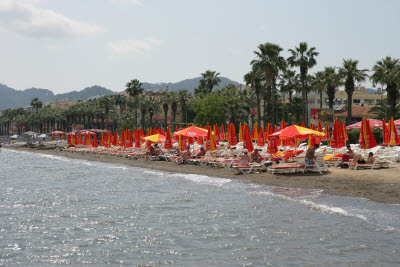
(280, 84)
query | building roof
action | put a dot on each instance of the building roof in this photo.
(336, 107)
(355, 112)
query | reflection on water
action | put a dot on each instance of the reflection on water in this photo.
(56, 210)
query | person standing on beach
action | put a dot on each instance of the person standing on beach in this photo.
(310, 155)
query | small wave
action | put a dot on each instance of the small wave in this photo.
(203, 179)
(153, 172)
(311, 204)
(54, 157)
(326, 208)
(115, 167)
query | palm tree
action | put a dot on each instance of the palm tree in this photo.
(253, 78)
(183, 97)
(350, 74)
(165, 99)
(318, 85)
(296, 108)
(379, 111)
(120, 100)
(143, 101)
(304, 58)
(209, 80)
(134, 89)
(154, 106)
(270, 63)
(387, 72)
(332, 81)
(174, 105)
(37, 104)
(289, 83)
(106, 103)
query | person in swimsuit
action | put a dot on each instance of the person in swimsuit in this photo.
(310, 155)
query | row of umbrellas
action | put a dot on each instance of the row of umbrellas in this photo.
(375, 124)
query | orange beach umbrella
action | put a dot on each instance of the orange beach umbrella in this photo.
(192, 132)
(294, 131)
(393, 135)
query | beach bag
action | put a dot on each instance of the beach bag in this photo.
(344, 165)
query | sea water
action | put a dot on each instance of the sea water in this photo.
(56, 210)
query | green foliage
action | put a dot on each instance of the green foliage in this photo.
(354, 136)
(210, 108)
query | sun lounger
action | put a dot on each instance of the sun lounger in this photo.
(377, 164)
(249, 168)
(286, 168)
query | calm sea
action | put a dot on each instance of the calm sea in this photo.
(55, 210)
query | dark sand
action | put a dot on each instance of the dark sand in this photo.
(382, 185)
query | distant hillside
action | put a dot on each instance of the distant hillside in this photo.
(85, 93)
(189, 84)
(11, 98)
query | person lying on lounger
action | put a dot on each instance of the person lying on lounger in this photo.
(360, 160)
(151, 151)
(158, 150)
(201, 153)
(255, 156)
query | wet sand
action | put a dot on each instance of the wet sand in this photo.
(381, 185)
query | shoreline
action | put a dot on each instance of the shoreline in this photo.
(382, 185)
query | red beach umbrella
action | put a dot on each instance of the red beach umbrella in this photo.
(254, 133)
(95, 144)
(168, 139)
(343, 128)
(261, 140)
(247, 143)
(327, 136)
(222, 133)
(385, 134)
(367, 139)
(337, 139)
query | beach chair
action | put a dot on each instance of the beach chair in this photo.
(246, 168)
(318, 165)
(285, 168)
(377, 164)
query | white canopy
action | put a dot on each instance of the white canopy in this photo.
(14, 136)
(42, 136)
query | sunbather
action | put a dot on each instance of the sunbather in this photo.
(151, 151)
(245, 155)
(360, 160)
(157, 151)
(310, 155)
(201, 153)
(255, 156)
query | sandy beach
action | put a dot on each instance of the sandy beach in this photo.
(381, 185)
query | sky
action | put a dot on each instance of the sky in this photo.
(66, 45)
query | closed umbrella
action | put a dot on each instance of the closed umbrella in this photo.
(367, 139)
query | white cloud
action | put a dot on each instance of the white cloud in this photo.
(133, 46)
(134, 2)
(23, 17)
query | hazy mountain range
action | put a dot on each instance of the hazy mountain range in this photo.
(11, 98)
(189, 84)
